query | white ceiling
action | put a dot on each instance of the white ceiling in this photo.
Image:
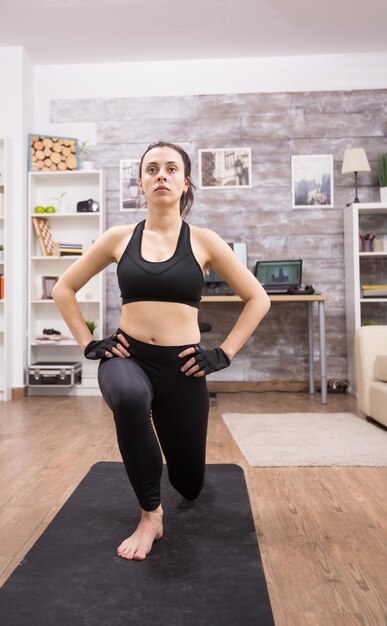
(96, 31)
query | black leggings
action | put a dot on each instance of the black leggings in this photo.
(150, 382)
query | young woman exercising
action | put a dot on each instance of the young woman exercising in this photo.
(153, 369)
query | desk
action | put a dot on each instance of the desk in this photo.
(309, 301)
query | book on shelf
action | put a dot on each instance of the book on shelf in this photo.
(2, 287)
(374, 291)
(70, 248)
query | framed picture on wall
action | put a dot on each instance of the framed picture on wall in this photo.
(312, 181)
(129, 191)
(221, 168)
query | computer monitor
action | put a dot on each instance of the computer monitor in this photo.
(279, 276)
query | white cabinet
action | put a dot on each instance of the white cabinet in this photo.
(364, 268)
(5, 317)
(66, 227)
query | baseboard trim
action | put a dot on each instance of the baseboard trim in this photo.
(18, 393)
(260, 386)
(226, 387)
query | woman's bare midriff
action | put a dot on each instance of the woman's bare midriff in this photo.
(160, 323)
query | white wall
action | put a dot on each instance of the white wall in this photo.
(169, 78)
(15, 118)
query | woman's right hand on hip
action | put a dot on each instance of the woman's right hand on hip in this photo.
(109, 347)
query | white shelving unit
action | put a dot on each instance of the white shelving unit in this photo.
(67, 226)
(5, 317)
(360, 218)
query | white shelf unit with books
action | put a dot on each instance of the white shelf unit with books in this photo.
(67, 226)
(364, 269)
(5, 317)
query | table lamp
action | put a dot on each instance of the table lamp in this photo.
(355, 160)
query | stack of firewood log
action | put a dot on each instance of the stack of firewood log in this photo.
(53, 154)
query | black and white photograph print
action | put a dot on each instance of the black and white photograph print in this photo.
(312, 181)
(129, 191)
(224, 167)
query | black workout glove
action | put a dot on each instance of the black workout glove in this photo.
(211, 360)
(96, 349)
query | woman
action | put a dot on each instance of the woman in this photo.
(153, 365)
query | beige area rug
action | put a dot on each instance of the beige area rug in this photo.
(307, 439)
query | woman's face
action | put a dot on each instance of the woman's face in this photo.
(162, 175)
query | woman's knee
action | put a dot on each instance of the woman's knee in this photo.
(124, 386)
(192, 492)
(188, 487)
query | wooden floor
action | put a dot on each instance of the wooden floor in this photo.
(321, 531)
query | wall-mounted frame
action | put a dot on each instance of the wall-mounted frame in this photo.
(129, 190)
(224, 168)
(312, 181)
(52, 154)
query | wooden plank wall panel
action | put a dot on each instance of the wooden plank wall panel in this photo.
(275, 126)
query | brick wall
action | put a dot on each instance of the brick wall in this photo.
(275, 126)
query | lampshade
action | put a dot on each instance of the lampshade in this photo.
(355, 160)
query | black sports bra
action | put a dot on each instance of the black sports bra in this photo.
(178, 279)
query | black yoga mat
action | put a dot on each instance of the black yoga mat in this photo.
(205, 571)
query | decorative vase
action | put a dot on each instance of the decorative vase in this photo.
(87, 165)
(383, 194)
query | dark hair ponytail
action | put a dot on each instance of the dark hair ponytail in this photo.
(186, 200)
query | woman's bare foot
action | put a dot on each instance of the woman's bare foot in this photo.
(138, 545)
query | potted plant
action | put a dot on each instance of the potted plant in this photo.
(59, 201)
(86, 163)
(383, 177)
(91, 325)
(1, 253)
